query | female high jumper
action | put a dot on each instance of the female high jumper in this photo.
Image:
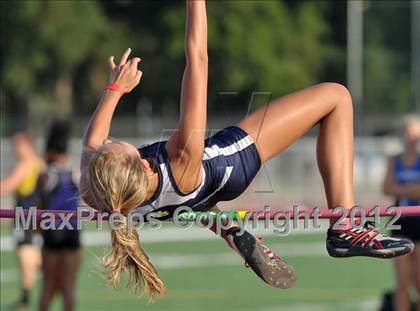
(189, 170)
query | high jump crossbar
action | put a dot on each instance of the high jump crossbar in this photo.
(321, 213)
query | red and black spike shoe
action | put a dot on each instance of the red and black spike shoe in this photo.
(262, 260)
(365, 242)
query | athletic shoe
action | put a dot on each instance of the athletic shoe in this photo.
(365, 242)
(262, 260)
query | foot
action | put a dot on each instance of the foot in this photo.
(263, 261)
(365, 242)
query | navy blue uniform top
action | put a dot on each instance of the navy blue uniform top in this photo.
(230, 161)
(60, 190)
(405, 175)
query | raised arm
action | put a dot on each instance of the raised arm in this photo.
(185, 147)
(124, 77)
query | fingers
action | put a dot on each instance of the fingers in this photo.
(124, 57)
(111, 62)
(138, 75)
(134, 62)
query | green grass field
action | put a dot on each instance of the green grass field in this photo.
(206, 275)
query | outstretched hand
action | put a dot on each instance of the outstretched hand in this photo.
(125, 74)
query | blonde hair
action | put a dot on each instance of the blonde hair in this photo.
(117, 181)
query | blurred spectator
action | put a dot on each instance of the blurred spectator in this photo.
(403, 182)
(61, 252)
(22, 180)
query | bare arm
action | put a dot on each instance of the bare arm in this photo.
(96, 133)
(16, 177)
(390, 187)
(127, 76)
(185, 147)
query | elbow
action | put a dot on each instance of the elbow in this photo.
(203, 56)
(197, 58)
(90, 143)
(196, 54)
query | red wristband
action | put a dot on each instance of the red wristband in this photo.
(116, 88)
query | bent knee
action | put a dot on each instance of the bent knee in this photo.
(338, 92)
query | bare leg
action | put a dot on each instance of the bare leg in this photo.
(401, 295)
(222, 232)
(416, 265)
(71, 262)
(50, 267)
(278, 125)
(29, 259)
(257, 256)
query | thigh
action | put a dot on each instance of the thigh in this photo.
(50, 261)
(29, 255)
(71, 264)
(280, 123)
(50, 267)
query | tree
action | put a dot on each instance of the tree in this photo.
(43, 45)
(387, 67)
(259, 45)
(60, 48)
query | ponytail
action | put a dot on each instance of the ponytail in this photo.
(118, 182)
(128, 255)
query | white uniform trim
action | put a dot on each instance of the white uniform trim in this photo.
(215, 151)
(168, 195)
(225, 179)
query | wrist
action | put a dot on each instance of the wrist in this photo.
(114, 87)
